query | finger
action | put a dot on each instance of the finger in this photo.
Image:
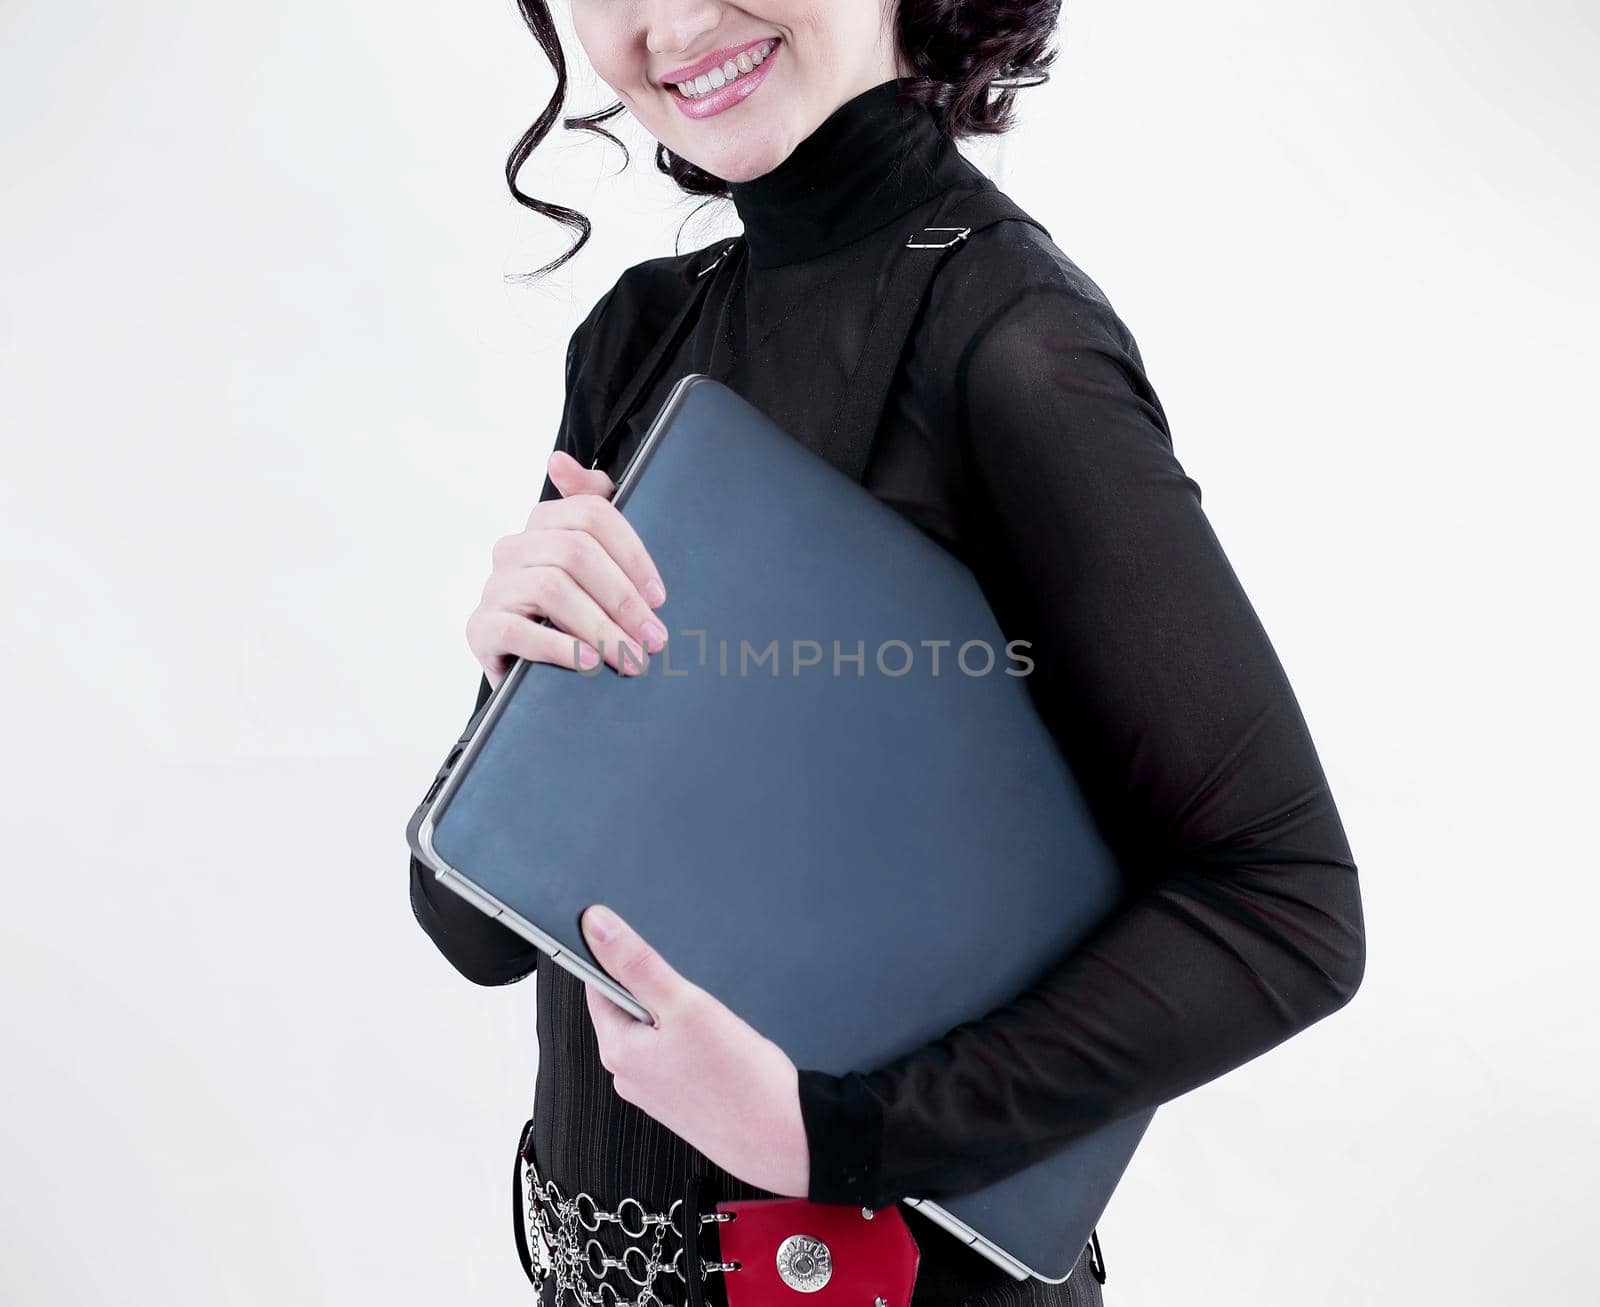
(514, 636)
(611, 1022)
(547, 590)
(572, 478)
(583, 557)
(544, 578)
(631, 961)
(602, 519)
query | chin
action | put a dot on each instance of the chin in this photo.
(743, 158)
(747, 166)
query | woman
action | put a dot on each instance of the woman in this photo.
(1022, 434)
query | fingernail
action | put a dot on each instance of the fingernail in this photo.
(655, 635)
(655, 594)
(587, 657)
(600, 923)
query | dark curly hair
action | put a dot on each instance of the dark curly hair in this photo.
(968, 59)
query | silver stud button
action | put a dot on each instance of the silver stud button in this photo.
(804, 1263)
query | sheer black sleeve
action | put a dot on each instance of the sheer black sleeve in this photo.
(486, 951)
(1242, 922)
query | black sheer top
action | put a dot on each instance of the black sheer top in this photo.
(1023, 435)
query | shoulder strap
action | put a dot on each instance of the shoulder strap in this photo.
(849, 441)
(688, 313)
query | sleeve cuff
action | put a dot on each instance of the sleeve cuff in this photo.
(844, 1131)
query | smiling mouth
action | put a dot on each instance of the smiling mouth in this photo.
(745, 63)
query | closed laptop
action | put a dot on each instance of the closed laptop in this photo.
(829, 801)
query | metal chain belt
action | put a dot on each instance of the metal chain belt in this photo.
(563, 1230)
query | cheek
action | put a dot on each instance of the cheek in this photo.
(602, 41)
(829, 21)
(826, 35)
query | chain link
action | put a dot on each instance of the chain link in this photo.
(577, 1258)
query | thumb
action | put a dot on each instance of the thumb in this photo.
(629, 960)
(572, 478)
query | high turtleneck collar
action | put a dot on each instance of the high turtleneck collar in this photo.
(869, 161)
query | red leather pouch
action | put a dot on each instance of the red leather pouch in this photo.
(795, 1253)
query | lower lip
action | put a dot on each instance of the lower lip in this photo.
(725, 97)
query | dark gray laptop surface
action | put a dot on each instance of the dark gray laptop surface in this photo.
(828, 801)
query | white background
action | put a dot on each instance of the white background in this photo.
(267, 399)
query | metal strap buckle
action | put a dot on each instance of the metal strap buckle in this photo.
(727, 249)
(961, 234)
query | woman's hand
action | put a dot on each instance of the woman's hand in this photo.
(580, 564)
(703, 1073)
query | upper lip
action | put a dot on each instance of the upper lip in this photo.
(713, 60)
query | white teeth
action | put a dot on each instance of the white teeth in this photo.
(746, 61)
